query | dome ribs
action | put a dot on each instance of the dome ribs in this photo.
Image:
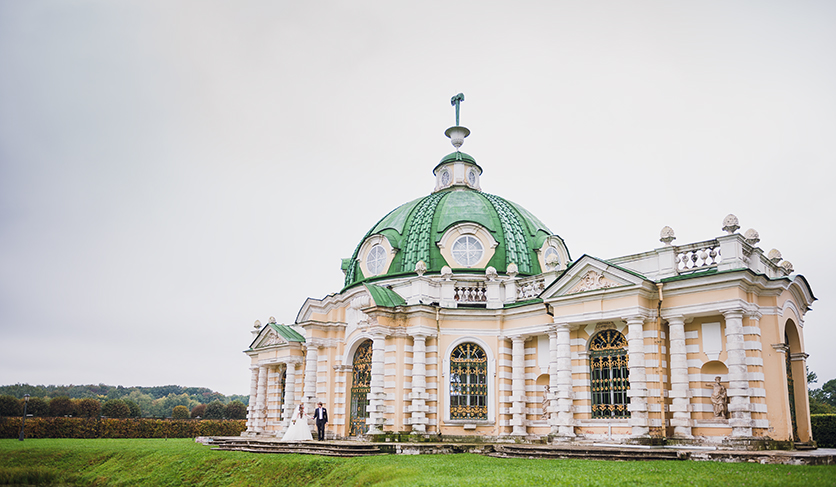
(418, 240)
(516, 249)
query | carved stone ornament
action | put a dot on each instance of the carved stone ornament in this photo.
(719, 399)
(730, 224)
(787, 265)
(420, 268)
(592, 281)
(552, 262)
(257, 325)
(546, 414)
(446, 273)
(666, 236)
(272, 320)
(513, 270)
(273, 338)
(605, 325)
(752, 237)
(491, 274)
(775, 256)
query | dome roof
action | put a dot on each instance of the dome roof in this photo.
(414, 230)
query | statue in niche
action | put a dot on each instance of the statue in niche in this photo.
(546, 403)
(719, 399)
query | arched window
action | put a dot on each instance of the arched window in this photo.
(610, 377)
(468, 382)
(361, 377)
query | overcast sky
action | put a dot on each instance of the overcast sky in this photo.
(172, 171)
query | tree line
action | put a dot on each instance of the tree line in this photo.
(122, 402)
(823, 399)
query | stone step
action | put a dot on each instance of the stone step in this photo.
(302, 448)
(597, 453)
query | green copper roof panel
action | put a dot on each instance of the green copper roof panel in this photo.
(397, 218)
(531, 221)
(384, 297)
(287, 332)
(466, 206)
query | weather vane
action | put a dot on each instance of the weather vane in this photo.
(456, 101)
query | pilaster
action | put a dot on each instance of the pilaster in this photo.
(636, 365)
(565, 410)
(680, 386)
(418, 397)
(738, 390)
(518, 398)
(377, 394)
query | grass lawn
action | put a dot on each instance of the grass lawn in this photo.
(160, 462)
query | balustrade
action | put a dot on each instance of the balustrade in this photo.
(697, 256)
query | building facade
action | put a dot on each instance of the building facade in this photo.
(462, 314)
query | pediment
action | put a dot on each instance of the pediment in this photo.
(589, 274)
(269, 338)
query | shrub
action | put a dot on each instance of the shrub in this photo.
(88, 408)
(199, 411)
(118, 428)
(37, 407)
(10, 406)
(115, 408)
(180, 412)
(235, 410)
(61, 406)
(215, 410)
(136, 411)
(824, 429)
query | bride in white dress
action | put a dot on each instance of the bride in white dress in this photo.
(299, 429)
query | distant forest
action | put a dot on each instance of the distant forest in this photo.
(156, 401)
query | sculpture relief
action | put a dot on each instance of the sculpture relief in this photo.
(719, 399)
(546, 403)
(273, 338)
(592, 281)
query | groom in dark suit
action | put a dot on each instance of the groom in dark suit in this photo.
(321, 416)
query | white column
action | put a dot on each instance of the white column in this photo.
(680, 384)
(638, 377)
(251, 409)
(553, 383)
(565, 410)
(261, 400)
(518, 398)
(289, 394)
(274, 375)
(311, 358)
(377, 394)
(418, 397)
(738, 390)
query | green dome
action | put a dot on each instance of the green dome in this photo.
(415, 228)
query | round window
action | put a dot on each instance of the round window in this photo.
(445, 178)
(471, 178)
(376, 260)
(467, 250)
(549, 252)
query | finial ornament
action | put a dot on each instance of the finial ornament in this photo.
(666, 235)
(456, 101)
(730, 224)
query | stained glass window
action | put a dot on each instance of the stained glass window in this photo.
(467, 251)
(609, 375)
(468, 382)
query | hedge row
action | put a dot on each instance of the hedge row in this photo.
(119, 428)
(824, 429)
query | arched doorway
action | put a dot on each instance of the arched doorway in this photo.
(360, 387)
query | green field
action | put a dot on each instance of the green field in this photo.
(183, 462)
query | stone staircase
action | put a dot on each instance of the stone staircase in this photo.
(327, 448)
(585, 452)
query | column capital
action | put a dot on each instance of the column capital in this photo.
(733, 313)
(676, 318)
(754, 315)
(798, 356)
(634, 319)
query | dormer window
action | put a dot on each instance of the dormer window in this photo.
(467, 251)
(376, 260)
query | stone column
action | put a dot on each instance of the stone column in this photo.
(636, 365)
(251, 409)
(289, 394)
(418, 397)
(738, 390)
(311, 358)
(261, 400)
(553, 383)
(274, 376)
(377, 394)
(680, 384)
(518, 398)
(565, 410)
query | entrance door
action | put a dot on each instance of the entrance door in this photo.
(360, 388)
(791, 389)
